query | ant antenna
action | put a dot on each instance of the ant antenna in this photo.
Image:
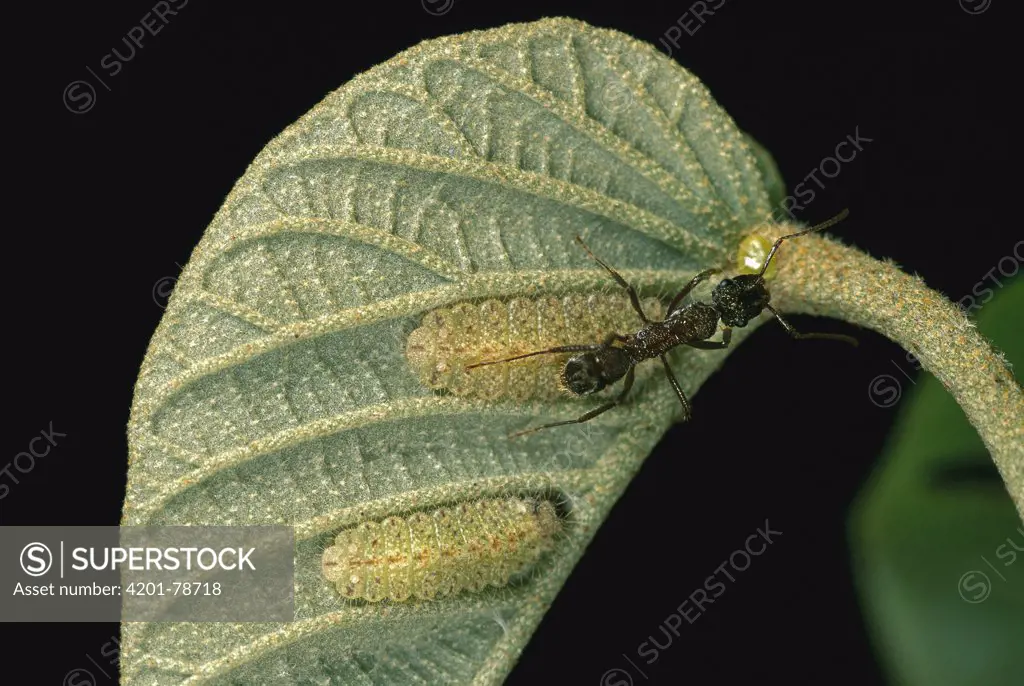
(549, 351)
(820, 227)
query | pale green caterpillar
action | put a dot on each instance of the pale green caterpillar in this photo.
(449, 339)
(466, 547)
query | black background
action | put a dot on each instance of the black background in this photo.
(785, 432)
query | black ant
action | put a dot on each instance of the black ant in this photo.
(734, 301)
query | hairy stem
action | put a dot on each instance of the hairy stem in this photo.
(818, 275)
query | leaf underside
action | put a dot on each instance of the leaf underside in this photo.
(276, 388)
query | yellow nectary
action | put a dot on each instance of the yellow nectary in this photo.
(751, 254)
(465, 547)
(451, 338)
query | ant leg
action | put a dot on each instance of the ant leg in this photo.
(713, 345)
(559, 349)
(689, 287)
(822, 336)
(633, 297)
(627, 384)
(679, 391)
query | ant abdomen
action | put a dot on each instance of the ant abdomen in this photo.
(450, 339)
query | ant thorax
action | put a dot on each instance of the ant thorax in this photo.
(696, 321)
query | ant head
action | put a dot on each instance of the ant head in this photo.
(591, 371)
(740, 299)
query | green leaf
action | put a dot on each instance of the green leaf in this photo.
(937, 542)
(276, 389)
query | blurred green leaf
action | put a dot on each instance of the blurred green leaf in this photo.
(937, 543)
(276, 389)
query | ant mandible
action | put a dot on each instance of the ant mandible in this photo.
(734, 301)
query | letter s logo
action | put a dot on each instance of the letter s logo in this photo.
(36, 559)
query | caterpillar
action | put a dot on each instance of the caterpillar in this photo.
(433, 554)
(451, 338)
